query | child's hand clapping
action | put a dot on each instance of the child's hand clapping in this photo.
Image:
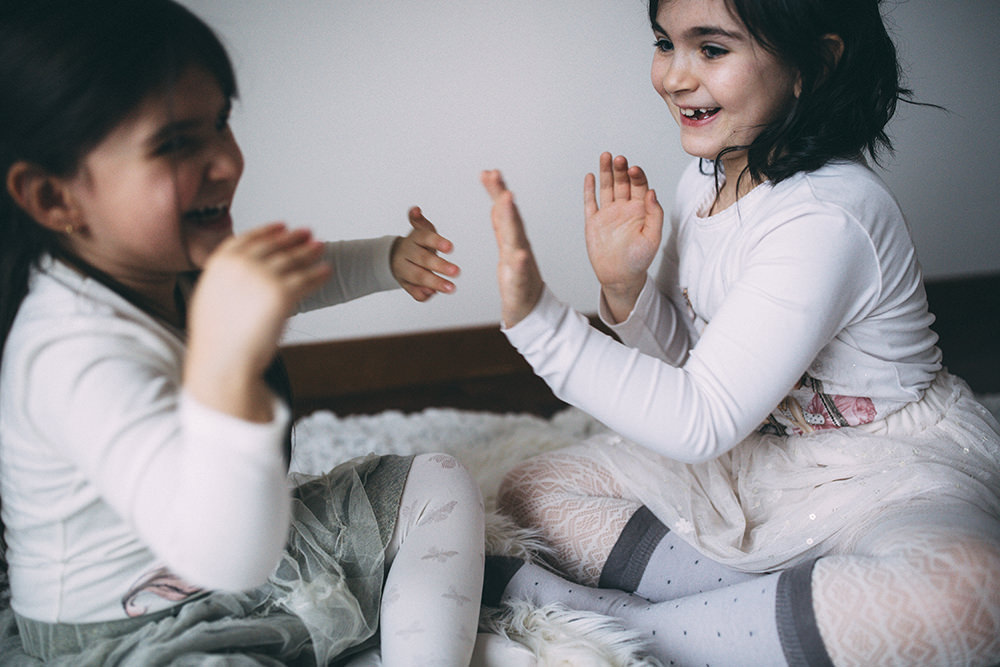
(415, 262)
(623, 234)
(247, 290)
(518, 276)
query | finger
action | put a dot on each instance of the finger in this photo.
(421, 278)
(619, 173)
(417, 219)
(606, 180)
(589, 195)
(295, 258)
(431, 261)
(493, 182)
(427, 238)
(419, 293)
(653, 206)
(275, 238)
(637, 181)
(507, 223)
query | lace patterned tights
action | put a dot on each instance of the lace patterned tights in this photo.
(924, 593)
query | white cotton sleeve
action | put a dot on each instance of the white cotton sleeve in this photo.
(360, 267)
(800, 286)
(654, 326)
(206, 492)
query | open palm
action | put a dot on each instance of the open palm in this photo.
(623, 232)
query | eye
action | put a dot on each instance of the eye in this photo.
(178, 143)
(222, 122)
(712, 52)
(663, 45)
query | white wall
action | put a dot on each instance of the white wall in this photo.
(351, 111)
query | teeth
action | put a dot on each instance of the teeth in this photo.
(207, 212)
(691, 113)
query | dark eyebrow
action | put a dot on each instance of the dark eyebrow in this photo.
(703, 31)
(180, 126)
(170, 129)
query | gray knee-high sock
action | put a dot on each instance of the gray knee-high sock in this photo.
(766, 621)
(653, 562)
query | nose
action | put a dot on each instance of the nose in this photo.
(673, 74)
(226, 161)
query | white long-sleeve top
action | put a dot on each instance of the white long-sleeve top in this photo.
(120, 492)
(806, 295)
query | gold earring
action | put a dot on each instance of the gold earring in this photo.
(69, 229)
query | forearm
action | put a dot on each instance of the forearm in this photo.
(653, 325)
(679, 413)
(360, 267)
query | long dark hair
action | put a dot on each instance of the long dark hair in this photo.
(844, 105)
(70, 72)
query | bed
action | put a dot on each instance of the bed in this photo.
(466, 392)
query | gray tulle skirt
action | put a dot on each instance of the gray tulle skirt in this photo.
(320, 606)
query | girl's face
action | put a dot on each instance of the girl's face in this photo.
(720, 85)
(152, 199)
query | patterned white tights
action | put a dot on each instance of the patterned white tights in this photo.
(430, 606)
(917, 591)
(924, 596)
(580, 507)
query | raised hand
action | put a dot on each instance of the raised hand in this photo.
(415, 262)
(247, 290)
(517, 271)
(623, 233)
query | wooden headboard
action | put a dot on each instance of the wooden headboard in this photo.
(472, 368)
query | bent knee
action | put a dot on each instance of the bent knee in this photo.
(438, 474)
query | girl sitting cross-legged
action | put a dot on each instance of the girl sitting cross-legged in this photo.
(793, 477)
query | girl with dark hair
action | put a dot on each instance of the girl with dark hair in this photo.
(143, 458)
(791, 475)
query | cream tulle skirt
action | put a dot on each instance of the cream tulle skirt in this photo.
(774, 501)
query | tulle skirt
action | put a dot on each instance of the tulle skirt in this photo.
(774, 501)
(320, 605)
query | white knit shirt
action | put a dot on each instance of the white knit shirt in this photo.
(805, 294)
(120, 492)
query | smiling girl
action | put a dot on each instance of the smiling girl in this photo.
(792, 477)
(143, 427)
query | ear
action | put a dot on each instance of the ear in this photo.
(833, 48)
(46, 198)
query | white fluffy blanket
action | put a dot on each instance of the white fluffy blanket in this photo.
(489, 444)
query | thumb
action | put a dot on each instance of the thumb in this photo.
(418, 221)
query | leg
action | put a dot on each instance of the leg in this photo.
(922, 593)
(601, 535)
(580, 508)
(916, 592)
(430, 607)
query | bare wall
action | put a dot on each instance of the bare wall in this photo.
(351, 111)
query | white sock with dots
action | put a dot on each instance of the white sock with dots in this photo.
(764, 621)
(657, 564)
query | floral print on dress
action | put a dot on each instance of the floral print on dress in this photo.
(163, 584)
(809, 409)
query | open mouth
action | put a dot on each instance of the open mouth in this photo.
(700, 114)
(207, 215)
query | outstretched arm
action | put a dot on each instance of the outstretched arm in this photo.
(623, 232)
(415, 262)
(518, 276)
